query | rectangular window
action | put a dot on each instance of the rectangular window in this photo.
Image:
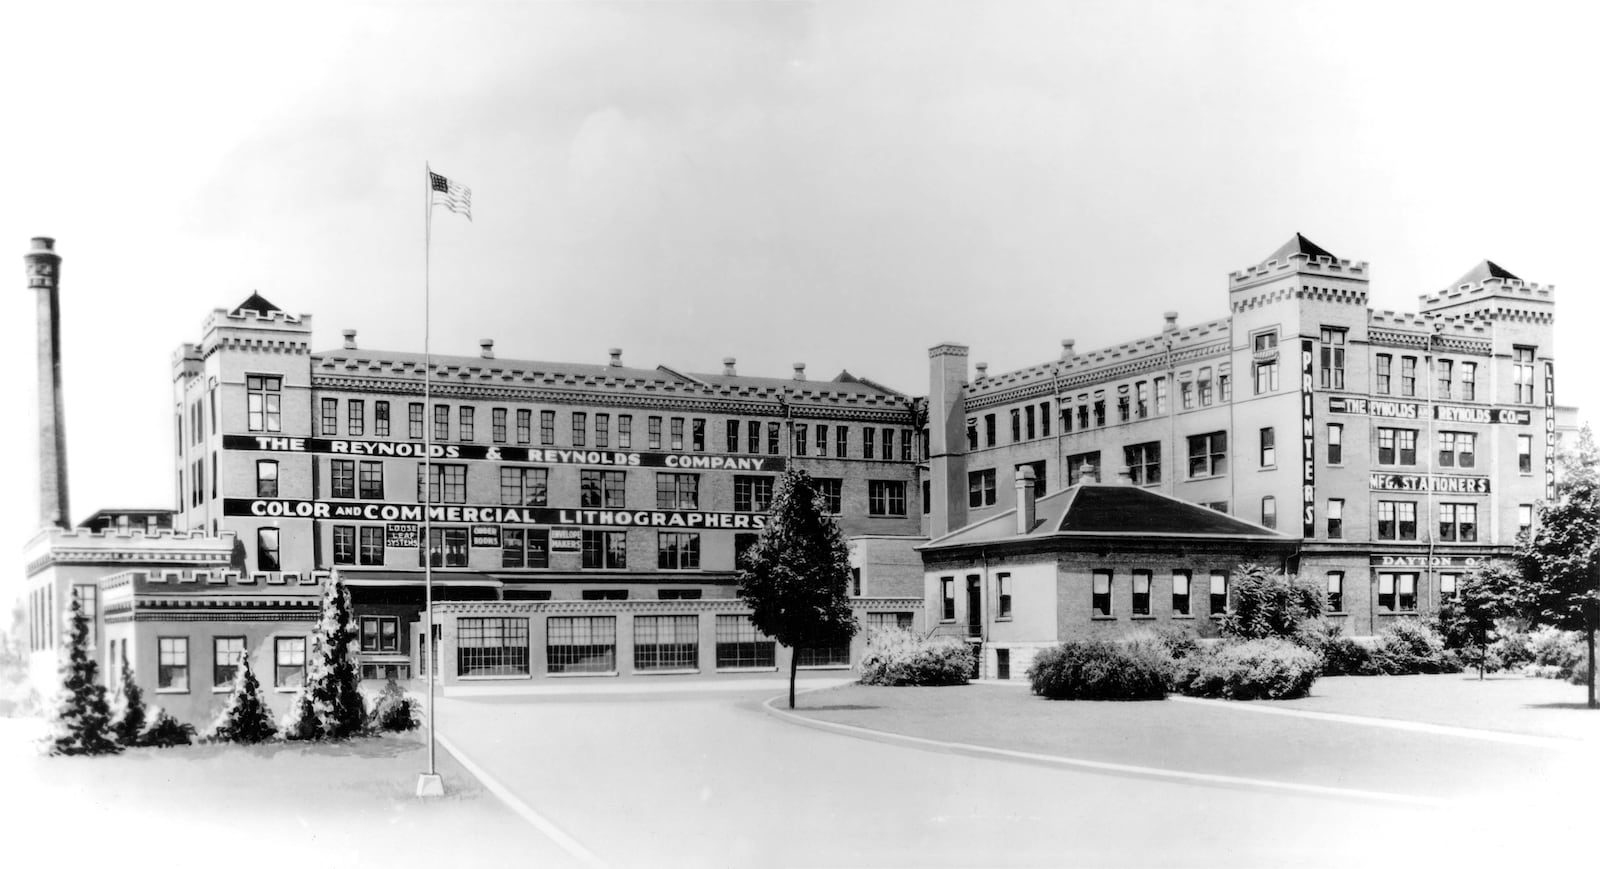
(1083, 468)
(602, 488)
(1141, 592)
(580, 428)
(1408, 375)
(841, 441)
(666, 642)
(266, 478)
(447, 484)
(625, 431)
(605, 550)
(267, 549)
(356, 417)
(1180, 592)
(288, 662)
(1269, 511)
(1445, 370)
(822, 440)
(753, 436)
(226, 653)
(1458, 449)
(732, 435)
(752, 494)
(371, 549)
(774, 438)
(370, 481)
(1161, 396)
(1203, 386)
(869, 441)
(823, 656)
(1458, 522)
(1335, 518)
(524, 487)
(1397, 520)
(330, 417)
(1469, 381)
(1225, 386)
(1100, 598)
(1524, 519)
(344, 544)
(1265, 342)
(677, 550)
(547, 427)
(380, 634)
(947, 598)
(602, 430)
(677, 433)
(653, 432)
(447, 547)
(264, 400)
(524, 426)
(414, 421)
(1016, 424)
(493, 646)
(740, 645)
(980, 488)
(1269, 447)
(1397, 446)
(677, 491)
(1099, 412)
(1141, 399)
(1384, 369)
(1044, 418)
(1219, 593)
(831, 490)
(988, 431)
(1522, 372)
(801, 430)
(172, 665)
(343, 478)
(1335, 443)
(697, 435)
(1083, 415)
(886, 498)
(1185, 395)
(1208, 454)
(888, 444)
(1525, 453)
(88, 598)
(441, 422)
(1450, 586)
(1266, 377)
(1397, 592)
(1144, 463)
(1002, 594)
(525, 547)
(497, 425)
(1331, 365)
(1336, 591)
(380, 419)
(1123, 409)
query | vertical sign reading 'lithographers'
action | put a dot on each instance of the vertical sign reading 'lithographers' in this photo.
(1308, 445)
(1549, 431)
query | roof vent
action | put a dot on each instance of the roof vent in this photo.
(1172, 321)
(486, 348)
(799, 371)
(1067, 351)
(727, 366)
(983, 370)
(616, 357)
(349, 339)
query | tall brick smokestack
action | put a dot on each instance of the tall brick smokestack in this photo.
(44, 275)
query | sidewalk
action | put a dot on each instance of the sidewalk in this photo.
(612, 686)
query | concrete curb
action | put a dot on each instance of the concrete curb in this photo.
(526, 812)
(1051, 760)
(1393, 724)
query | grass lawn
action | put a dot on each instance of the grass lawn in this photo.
(1189, 737)
(335, 804)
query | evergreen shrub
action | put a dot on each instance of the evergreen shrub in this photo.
(1268, 669)
(128, 714)
(1096, 669)
(895, 656)
(394, 710)
(1411, 646)
(80, 718)
(245, 718)
(166, 731)
(1341, 655)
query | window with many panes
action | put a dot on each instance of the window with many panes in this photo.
(1458, 522)
(801, 432)
(677, 550)
(370, 545)
(288, 662)
(697, 435)
(1383, 374)
(1161, 396)
(741, 646)
(1208, 454)
(889, 621)
(1469, 381)
(267, 549)
(625, 431)
(1144, 463)
(264, 402)
(380, 634)
(524, 487)
(752, 494)
(524, 547)
(774, 439)
(1445, 371)
(653, 432)
(677, 491)
(831, 491)
(1458, 449)
(329, 420)
(497, 425)
(1397, 520)
(172, 664)
(1408, 375)
(580, 428)
(1397, 592)
(1522, 374)
(447, 547)
(226, 653)
(980, 488)
(886, 498)
(666, 642)
(524, 426)
(369, 480)
(1331, 360)
(1266, 376)
(441, 422)
(822, 440)
(731, 435)
(547, 427)
(380, 419)
(602, 430)
(1397, 446)
(602, 488)
(841, 441)
(1203, 386)
(869, 440)
(677, 433)
(447, 484)
(414, 415)
(1002, 595)
(344, 544)
(1141, 400)
(492, 646)
(355, 417)
(605, 550)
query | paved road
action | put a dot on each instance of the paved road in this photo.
(713, 780)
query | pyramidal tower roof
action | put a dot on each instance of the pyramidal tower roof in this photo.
(256, 303)
(1299, 244)
(1487, 270)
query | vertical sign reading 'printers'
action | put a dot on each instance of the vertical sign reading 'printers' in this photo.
(1549, 431)
(1308, 445)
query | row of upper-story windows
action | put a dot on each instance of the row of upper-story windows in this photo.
(1140, 591)
(448, 546)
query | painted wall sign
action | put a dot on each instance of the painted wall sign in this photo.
(400, 535)
(378, 511)
(1550, 431)
(1482, 415)
(487, 536)
(1308, 445)
(1431, 483)
(493, 453)
(1443, 412)
(566, 539)
(1426, 561)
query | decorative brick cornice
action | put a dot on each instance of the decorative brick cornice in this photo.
(646, 607)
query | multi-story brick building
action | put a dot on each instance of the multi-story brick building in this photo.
(1400, 449)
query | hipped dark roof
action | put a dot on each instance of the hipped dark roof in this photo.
(1487, 270)
(256, 303)
(1298, 245)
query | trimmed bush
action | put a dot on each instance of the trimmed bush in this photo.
(1512, 650)
(394, 711)
(1341, 655)
(1269, 669)
(1557, 652)
(166, 731)
(1178, 642)
(1138, 669)
(1412, 646)
(901, 657)
(246, 718)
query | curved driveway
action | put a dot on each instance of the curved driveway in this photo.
(682, 779)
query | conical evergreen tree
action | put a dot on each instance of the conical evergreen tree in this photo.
(128, 720)
(332, 680)
(246, 717)
(80, 720)
(301, 722)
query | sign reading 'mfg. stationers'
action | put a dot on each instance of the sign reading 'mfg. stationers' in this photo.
(378, 511)
(498, 453)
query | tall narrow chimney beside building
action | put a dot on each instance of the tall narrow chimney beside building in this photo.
(486, 348)
(1067, 351)
(616, 357)
(44, 276)
(727, 366)
(1026, 511)
(349, 339)
(799, 371)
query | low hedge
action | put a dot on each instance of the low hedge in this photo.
(1341, 655)
(1268, 669)
(1410, 646)
(895, 656)
(1102, 670)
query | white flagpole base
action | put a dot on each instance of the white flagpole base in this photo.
(430, 785)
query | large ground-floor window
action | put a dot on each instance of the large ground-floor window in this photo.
(492, 647)
(582, 644)
(739, 644)
(882, 621)
(666, 642)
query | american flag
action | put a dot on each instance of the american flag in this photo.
(456, 197)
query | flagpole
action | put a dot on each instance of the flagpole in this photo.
(429, 784)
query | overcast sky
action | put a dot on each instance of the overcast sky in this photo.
(840, 184)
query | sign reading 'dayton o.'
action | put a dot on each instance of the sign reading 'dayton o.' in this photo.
(380, 511)
(498, 453)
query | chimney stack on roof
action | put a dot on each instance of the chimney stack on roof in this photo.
(1124, 477)
(1172, 321)
(727, 366)
(983, 370)
(616, 357)
(1026, 512)
(486, 348)
(799, 371)
(349, 339)
(1067, 351)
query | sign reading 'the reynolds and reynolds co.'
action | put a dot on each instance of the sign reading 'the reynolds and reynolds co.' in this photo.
(497, 453)
(379, 511)
(1442, 412)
